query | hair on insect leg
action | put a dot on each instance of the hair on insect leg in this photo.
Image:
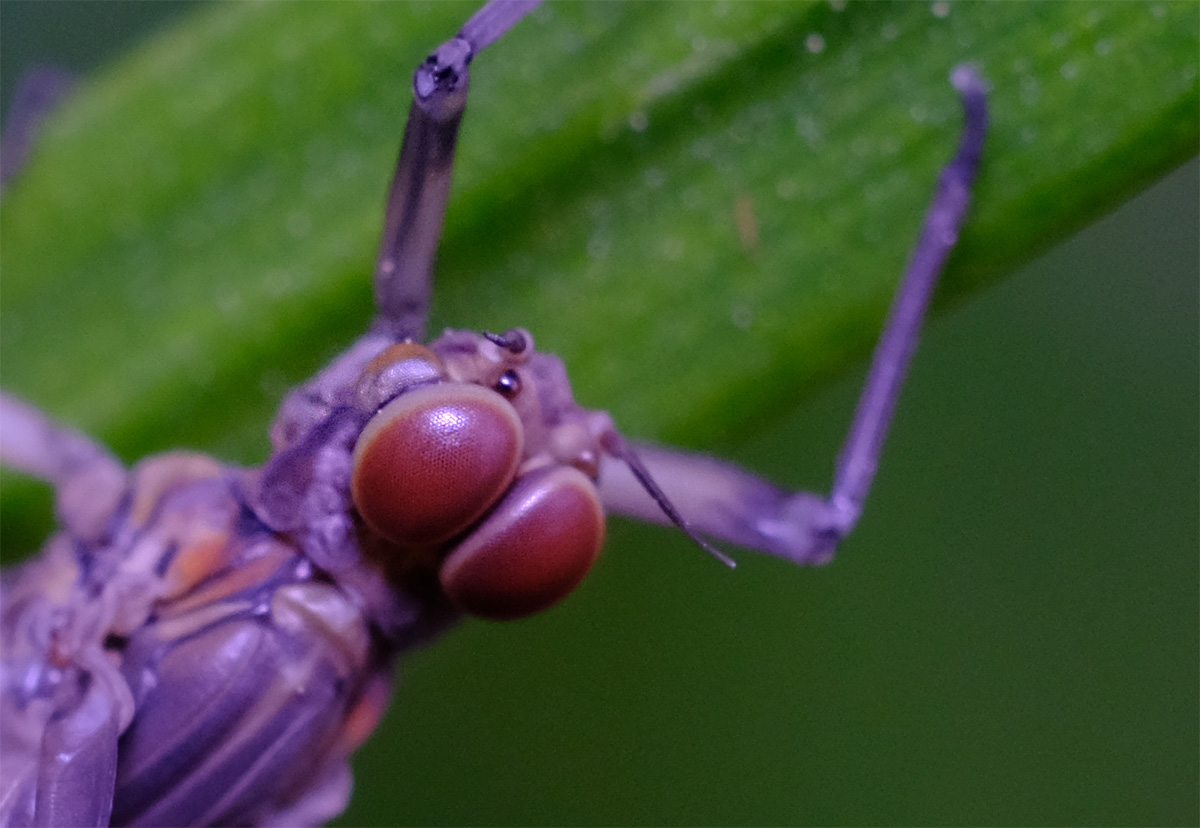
(616, 446)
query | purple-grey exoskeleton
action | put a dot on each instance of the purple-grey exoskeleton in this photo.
(206, 644)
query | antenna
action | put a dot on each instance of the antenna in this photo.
(615, 445)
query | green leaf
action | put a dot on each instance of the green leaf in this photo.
(213, 200)
(197, 229)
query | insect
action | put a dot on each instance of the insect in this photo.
(208, 644)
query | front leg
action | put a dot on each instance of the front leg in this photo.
(416, 206)
(412, 222)
(88, 480)
(726, 502)
(38, 93)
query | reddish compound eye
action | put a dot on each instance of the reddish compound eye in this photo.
(433, 460)
(529, 553)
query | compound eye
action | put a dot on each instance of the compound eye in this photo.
(433, 460)
(533, 550)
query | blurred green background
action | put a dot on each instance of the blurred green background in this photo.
(1010, 637)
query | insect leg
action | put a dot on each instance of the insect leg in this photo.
(61, 720)
(38, 92)
(859, 457)
(416, 208)
(416, 205)
(88, 480)
(721, 500)
(59, 752)
(79, 758)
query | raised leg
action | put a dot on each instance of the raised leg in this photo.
(38, 92)
(416, 204)
(721, 500)
(59, 723)
(88, 480)
(412, 225)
